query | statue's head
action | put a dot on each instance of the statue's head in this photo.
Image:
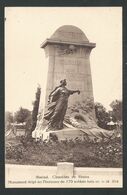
(63, 82)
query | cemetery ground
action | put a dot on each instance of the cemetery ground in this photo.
(20, 150)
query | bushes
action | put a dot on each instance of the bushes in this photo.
(15, 152)
(82, 153)
(110, 152)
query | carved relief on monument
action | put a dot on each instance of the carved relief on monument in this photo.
(65, 49)
(72, 50)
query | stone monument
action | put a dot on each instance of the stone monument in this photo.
(67, 54)
(68, 57)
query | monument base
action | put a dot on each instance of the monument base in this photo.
(68, 133)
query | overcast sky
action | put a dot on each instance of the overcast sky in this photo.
(27, 27)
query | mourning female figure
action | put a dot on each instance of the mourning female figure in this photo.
(58, 102)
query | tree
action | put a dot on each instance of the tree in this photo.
(21, 115)
(8, 120)
(116, 110)
(103, 117)
(28, 126)
(8, 117)
(36, 107)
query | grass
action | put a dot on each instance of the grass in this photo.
(81, 153)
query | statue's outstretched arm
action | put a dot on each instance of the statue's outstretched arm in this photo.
(74, 91)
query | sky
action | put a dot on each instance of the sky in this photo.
(27, 27)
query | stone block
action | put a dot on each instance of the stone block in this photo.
(65, 169)
(67, 134)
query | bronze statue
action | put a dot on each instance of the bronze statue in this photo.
(58, 102)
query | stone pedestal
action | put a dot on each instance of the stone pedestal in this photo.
(67, 134)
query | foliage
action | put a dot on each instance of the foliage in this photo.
(103, 117)
(28, 126)
(8, 117)
(8, 120)
(35, 108)
(116, 110)
(110, 151)
(21, 115)
(16, 152)
(81, 153)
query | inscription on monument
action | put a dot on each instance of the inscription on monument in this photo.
(69, 65)
(69, 61)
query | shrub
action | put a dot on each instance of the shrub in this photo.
(81, 153)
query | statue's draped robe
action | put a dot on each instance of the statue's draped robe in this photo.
(58, 106)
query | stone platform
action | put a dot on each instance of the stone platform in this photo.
(70, 132)
(93, 134)
(67, 134)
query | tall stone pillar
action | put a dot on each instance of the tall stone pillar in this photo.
(67, 54)
(68, 57)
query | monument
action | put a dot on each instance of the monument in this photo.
(68, 57)
(67, 54)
